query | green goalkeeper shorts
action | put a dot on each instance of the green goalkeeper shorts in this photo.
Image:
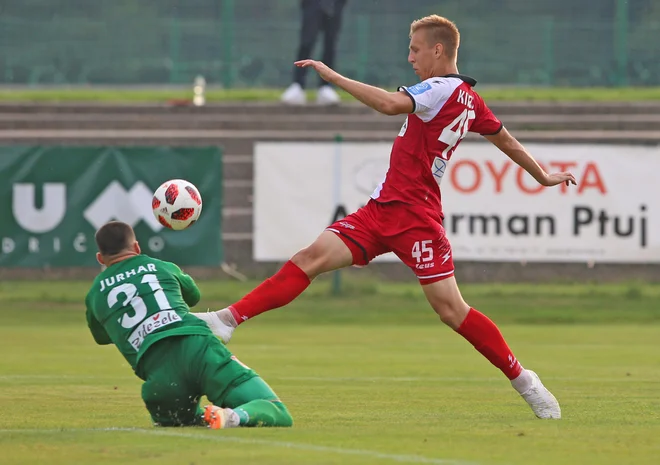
(180, 369)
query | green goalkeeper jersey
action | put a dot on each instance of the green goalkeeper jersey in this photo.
(140, 300)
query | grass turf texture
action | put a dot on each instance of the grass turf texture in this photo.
(371, 378)
(155, 95)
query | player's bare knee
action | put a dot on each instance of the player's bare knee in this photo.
(304, 259)
(445, 312)
(451, 314)
(327, 253)
(311, 260)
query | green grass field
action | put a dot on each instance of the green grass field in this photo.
(371, 378)
(119, 95)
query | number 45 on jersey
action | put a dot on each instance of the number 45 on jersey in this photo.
(455, 131)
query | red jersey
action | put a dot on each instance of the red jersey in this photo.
(444, 110)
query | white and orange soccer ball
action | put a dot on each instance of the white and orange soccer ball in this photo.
(177, 204)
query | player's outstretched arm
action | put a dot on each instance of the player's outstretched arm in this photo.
(388, 103)
(508, 144)
(189, 290)
(99, 333)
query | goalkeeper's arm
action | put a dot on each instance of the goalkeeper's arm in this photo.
(189, 289)
(99, 333)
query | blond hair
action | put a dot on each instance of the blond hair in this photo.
(439, 30)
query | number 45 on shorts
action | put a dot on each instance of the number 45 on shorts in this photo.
(422, 251)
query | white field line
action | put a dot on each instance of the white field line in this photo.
(260, 442)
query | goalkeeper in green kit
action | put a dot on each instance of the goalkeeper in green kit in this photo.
(141, 305)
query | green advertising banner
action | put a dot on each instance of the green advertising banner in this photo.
(53, 200)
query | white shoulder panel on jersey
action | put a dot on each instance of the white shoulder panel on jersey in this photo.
(431, 95)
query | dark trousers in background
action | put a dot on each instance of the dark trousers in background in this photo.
(318, 15)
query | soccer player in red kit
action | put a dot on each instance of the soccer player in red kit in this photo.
(404, 214)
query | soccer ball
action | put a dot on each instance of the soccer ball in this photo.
(177, 204)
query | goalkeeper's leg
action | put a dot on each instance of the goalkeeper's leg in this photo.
(239, 396)
(168, 396)
(251, 403)
(256, 404)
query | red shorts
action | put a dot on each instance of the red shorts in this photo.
(414, 233)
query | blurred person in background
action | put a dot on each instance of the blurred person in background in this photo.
(317, 15)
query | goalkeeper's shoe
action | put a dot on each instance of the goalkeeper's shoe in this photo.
(541, 400)
(219, 418)
(222, 323)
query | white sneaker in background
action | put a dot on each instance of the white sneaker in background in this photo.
(294, 95)
(327, 96)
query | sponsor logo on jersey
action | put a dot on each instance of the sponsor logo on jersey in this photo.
(425, 266)
(419, 88)
(445, 258)
(439, 167)
(402, 131)
(154, 322)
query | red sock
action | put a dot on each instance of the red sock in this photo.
(276, 291)
(483, 334)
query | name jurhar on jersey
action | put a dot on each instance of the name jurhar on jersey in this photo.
(119, 277)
